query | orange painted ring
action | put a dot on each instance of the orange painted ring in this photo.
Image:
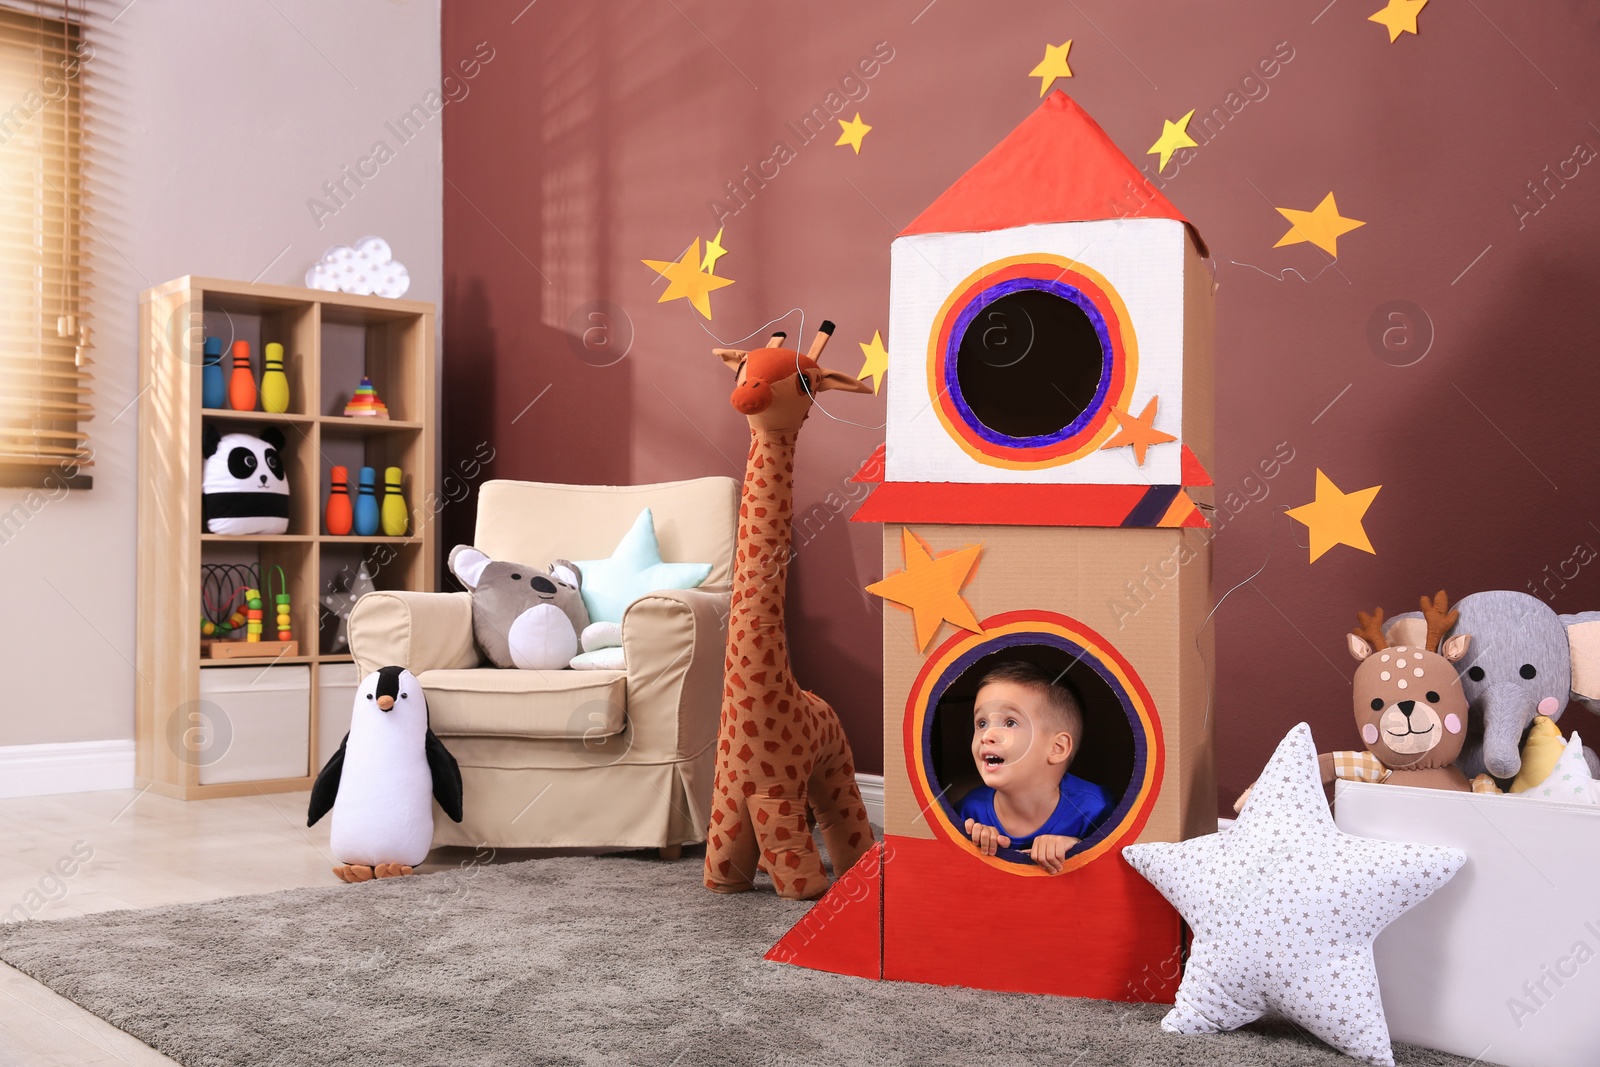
(951, 659)
(1101, 304)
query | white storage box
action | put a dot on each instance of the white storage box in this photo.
(336, 696)
(1501, 965)
(261, 722)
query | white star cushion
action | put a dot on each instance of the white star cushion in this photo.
(1569, 780)
(1284, 909)
(634, 569)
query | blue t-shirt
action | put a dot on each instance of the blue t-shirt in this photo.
(1083, 805)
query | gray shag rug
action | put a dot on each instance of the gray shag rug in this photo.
(575, 960)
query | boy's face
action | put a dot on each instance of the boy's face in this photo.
(1010, 741)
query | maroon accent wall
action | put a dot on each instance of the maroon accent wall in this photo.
(603, 134)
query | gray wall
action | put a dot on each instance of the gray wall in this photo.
(211, 127)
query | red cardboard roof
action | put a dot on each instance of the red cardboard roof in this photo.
(1057, 166)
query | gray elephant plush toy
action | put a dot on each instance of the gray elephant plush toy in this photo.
(523, 616)
(1525, 660)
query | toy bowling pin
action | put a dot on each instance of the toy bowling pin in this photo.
(242, 383)
(394, 504)
(213, 383)
(274, 383)
(338, 515)
(367, 521)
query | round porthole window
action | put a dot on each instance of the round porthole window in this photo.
(1120, 750)
(1027, 360)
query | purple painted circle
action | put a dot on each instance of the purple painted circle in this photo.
(974, 308)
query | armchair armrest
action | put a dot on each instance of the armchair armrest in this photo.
(675, 641)
(417, 631)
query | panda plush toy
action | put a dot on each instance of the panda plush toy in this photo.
(243, 489)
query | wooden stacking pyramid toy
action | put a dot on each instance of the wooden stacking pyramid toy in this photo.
(365, 404)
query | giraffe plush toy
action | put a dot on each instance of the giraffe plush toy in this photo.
(780, 749)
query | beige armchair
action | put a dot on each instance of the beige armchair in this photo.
(576, 758)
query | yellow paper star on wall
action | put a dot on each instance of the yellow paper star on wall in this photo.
(1052, 66)
(1334, 517)
(931, 587)
(852, 132)
(877, 364)
(1322, 226)
(1138, 431)
(1174, 135)
(686, 281)
(714, 252)
(1400, 16)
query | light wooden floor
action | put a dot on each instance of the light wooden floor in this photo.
(147, 850)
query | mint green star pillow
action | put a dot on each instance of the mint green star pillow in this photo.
(634, 569)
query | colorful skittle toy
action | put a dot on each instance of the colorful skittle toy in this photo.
(242, 383)
(394, 504)
(339, 515)
(213, 383)
(367, 520)
(274, 383)
(365, 403)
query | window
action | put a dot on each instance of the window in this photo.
(44, 332)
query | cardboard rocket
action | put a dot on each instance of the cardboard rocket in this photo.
(1050, 400)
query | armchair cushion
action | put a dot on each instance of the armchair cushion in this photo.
(533, 704)
(634, 569)
(417, 631)
(694, 520)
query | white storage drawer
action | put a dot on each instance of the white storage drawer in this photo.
(261, 722)
(336, 697)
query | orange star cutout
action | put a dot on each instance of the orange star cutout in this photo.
(1334, 517)
(686, 281)
(1139, 432)
(931, 587)
(1400, 16)
(1322, 226)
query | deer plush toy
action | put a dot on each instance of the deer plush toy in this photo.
(1408, 703)
(1409, 707)
(780, 749)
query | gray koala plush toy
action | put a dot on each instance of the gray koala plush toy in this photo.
(522, 616)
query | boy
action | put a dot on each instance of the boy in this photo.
(1026, 731)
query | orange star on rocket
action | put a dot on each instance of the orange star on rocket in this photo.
(931, 586)
(1138, 431)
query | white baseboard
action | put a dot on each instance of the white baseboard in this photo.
(871, 786)
(73, 767)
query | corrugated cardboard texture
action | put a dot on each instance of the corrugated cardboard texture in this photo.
(1146, 592)
(1199, 377)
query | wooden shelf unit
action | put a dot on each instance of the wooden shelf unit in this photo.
(329, 341)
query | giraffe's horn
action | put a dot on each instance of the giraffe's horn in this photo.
(820, 342)
(777, 339)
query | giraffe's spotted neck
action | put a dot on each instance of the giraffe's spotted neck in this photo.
(761, 574)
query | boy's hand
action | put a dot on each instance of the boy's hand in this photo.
(987, 838)
(1050, 851)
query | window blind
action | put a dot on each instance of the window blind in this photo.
(45, 370)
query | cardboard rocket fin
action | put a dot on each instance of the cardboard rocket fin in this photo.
(871, 472)
(1193, 471)
(843, 931)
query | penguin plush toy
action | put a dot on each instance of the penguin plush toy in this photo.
(382, 782)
